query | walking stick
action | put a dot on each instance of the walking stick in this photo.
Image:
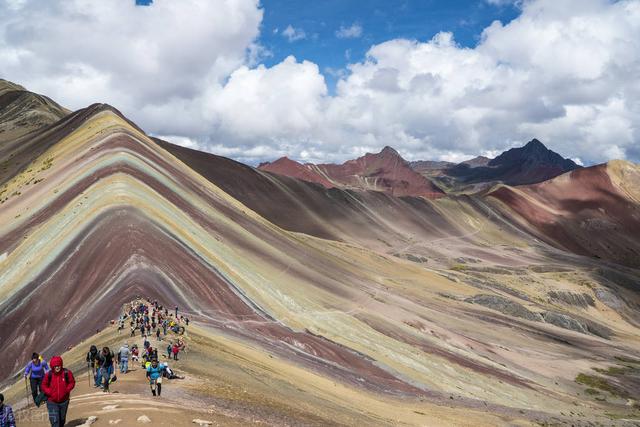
(26, 389)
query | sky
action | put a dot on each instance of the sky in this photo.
(330, 80)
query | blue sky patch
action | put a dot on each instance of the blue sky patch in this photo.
(334, 33)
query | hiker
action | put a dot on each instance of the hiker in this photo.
(154, 373)
(176, 311)
(186, 320)
(142, 330)
(57, 385)
(169, 373)
(169, 348)
(123, 356)
(134, 353)
(36, 369)
(92, 362)
(106, 367)
(164, 327)
(175, 350)
(133, 330)
(158, 334)
(6, 414)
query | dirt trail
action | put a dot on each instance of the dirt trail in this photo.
(129, 397)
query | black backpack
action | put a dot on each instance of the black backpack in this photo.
(50, 375)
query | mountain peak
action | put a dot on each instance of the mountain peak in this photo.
(535, 145)
(389, 150)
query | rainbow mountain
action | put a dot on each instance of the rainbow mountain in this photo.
(514, 306)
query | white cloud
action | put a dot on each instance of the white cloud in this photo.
(564, 72)
(352, 32)
(504, 2)
(293, 34)
(151, 62)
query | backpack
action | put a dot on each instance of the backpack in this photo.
(50, 375)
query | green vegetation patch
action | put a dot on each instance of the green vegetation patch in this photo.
(599, 383)
(615, 370)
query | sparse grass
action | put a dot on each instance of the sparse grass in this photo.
(592, 391)
(614, 370)
(599, 383)
(46, 164)
(627, 360)
(458, 267)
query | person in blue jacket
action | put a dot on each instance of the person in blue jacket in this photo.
(6, 414)
(36, 369)
(154, 373)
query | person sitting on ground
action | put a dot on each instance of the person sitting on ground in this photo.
(6, 414)
(154, 373)
(57, 385)
(134, 353)
(36, 369)
(169, 373)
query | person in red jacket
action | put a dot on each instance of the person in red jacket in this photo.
(57, 385)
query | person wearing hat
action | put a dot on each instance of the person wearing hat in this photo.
(57, 385)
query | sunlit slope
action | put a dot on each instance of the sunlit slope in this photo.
(593, 211)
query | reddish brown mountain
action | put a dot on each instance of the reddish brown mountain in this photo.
(385, 171)
(590, 211)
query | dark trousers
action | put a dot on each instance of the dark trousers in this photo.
(57, 413)
(35, 387)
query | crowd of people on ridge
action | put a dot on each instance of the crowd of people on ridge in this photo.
(52, 383)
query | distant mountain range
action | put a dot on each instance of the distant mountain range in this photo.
(525, 165)
(387, 171)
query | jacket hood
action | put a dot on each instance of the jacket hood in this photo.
(55, 361)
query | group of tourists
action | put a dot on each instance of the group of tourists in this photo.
(153, 319)
(52, 383)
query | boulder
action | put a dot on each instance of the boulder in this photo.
(202, 422)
